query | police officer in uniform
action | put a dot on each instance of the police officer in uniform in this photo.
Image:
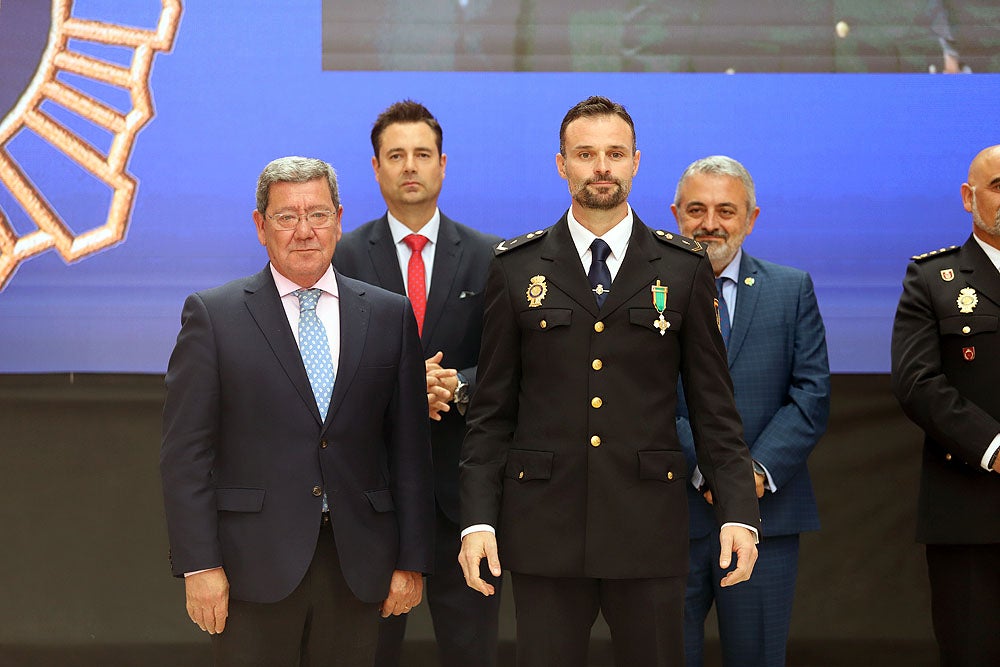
(945, 352)
(572, 462)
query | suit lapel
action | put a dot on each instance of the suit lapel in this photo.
(636, 271)
(447, 258)
(384, 258)
(355, 312)
(747, 295)
(265, 307)
(564, 268)
(979, 272)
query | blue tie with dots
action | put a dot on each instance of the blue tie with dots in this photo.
(315, 349)
(725, 326)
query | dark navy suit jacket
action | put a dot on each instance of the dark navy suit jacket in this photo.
(781, 378)
(453, 322)
(245, 456)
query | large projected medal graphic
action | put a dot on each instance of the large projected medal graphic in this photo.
(74, 93)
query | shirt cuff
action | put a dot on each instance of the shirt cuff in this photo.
(188, 574)
(990, 451)
(768, 480)
(478, 528)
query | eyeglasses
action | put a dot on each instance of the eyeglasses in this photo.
(315, 219)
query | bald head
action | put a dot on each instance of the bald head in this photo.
(985, 160)
(981, 195)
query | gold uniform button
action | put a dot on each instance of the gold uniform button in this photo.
(317, 491)
(966, 329)
(520, 475)
(597, 364)
(598, 326)
(543, 324)
(596, 401)
(595, 441)
(947, 457)
(670, 475)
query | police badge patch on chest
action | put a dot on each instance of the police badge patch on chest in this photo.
(967, 300)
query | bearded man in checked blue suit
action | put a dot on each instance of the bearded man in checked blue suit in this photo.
(781, 378)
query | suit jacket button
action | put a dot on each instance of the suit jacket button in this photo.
(598, 326)
(596, 401)
(317, 491)
(947, 457)
(322, 444)
(595, 441)
(597, 364)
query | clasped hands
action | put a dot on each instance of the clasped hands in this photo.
(441, 386)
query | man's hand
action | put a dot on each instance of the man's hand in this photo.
(476, 546)
(741, 540)
(761, 481)
(405, 592)
(207, 596)
(441, 386)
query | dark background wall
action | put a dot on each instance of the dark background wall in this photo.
(83, 558)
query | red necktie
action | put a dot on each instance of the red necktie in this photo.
(416, 285)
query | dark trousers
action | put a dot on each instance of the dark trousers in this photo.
(754, 616)
(555, 615)
(321, 624)
(465, 621)
(965, 603)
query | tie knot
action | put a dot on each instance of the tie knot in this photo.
(308, 298)
(600, 250)
(416, 242)
(719, 282)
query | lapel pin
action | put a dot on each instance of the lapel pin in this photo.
(749, 281)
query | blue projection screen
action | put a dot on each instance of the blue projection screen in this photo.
(132, 134)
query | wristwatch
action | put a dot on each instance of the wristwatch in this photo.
(461, 396)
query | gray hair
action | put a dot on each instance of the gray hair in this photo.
(719, 165)
(295, 170)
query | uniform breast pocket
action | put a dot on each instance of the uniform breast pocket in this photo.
(968, 325)
(545, 319)
(649, 318)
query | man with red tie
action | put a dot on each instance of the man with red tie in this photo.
(441, 265)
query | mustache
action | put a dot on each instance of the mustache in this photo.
(719, 233)
(603, 178)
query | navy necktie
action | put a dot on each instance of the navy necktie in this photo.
(725, 326)
(599, 274)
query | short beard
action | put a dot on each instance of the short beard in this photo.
(721, 253)
(602, 202)
(979, 222)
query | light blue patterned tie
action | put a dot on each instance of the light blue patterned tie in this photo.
(315, 348)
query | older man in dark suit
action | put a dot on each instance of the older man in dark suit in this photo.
(776, 347)
(572, 463)
(945, 347)
(295, 461)
(415, 249)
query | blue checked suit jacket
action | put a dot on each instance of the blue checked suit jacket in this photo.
(781, 378)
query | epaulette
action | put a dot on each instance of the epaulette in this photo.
(680, 241)
(518, 241)
(934, 253)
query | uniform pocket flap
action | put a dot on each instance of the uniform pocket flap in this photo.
(649, 318)
(525, 465)
(543, 319)
(239, 500)
(666, 465)
(967, 325)
(381, 500)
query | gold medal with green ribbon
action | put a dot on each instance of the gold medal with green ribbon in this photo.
(660, 303)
